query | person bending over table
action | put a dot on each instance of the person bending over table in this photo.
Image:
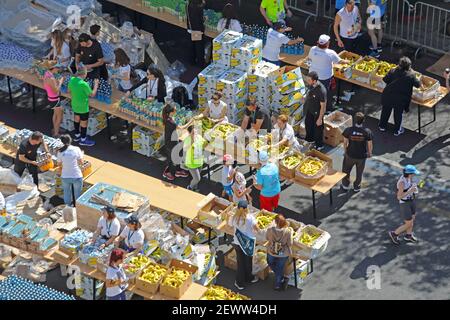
(283, 133)
(255, 118)
(275, 40)
(123, 69)
(217, 109)
(90, 53)
(108, 227)
(60, 50)
(132, 237)
(155, 85)
(27, 155)
(116, 280)
(95, 33)
(267, 180)
(80, 91)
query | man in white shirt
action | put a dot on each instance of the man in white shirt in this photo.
(275, 40)
(347, 26)
(2, 203)
(322, 59)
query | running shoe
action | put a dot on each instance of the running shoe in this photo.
(76, 137)
(168, 176)
(238, 286)
(400, 132)
(411, 238)
(87, 143)
(394, 237)
(181, 174)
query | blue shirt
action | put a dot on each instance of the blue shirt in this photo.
(269, 178)
(380, 3)
(340, 4)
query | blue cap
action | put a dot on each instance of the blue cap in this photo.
(242, 204)
(132, 220)
(410, 169)
(263, 156)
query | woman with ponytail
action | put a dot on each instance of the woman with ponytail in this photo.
(229, 21)
(171, 141)
(116, 280)
(70, 159)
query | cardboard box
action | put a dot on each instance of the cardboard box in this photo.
(223, 45)
(147, 286)
(230, 262)
(376, 80)
(363, 76)
(246, 53)
(335, 124)
(289, 172)
(321, 173)
(176, 293)
(213, 210)
(346, 70)
(316, 248)
(432, 89)
(8, 189)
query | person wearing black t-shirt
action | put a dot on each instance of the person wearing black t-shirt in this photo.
(358, 147)
(397, 94)
(90, 53)
(27, 155)
(255, 118)
(95, 33)
(314, 109)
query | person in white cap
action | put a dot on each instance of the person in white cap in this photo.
(322, 59)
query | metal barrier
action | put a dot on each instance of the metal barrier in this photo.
(300, 6)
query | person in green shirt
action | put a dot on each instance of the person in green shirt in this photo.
(274, 10)
(193, 149)
(80, 91)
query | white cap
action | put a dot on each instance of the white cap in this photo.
(323, 39)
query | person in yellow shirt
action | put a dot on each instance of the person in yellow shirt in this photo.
(193, 149)
(274, 10)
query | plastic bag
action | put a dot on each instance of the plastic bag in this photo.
(9, 176)
(175, 70)
(13, 200)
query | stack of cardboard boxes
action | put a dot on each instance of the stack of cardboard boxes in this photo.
(96, 123)
(146, 142)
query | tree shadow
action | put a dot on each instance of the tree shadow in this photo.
(430, 149)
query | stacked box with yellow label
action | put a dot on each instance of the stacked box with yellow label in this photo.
(207, 81)
(96, 122)
(289, 92)
(261, 83)
(246, 53)
(223, 45)
(146, 142)
(233, 85)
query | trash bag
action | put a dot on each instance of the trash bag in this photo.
(175, 70)
(9, 176)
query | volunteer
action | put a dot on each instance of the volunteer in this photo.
(358, 146)
(108, 227)
(283, 134)
(132, 237)
(314, 109)
(116, 280)
(27, 155)
(171, 141)
(406, 194)
(240, 190)
(90, 53)
(80, 91)
(217, 109)
(279, 248)
(193, 149)
(60, 50)
(274, 11)
(245, 230)
(375, 21)
(70, 159)
(275, 40)
(155, 85)
(123, 68)
(2, 204)
(95, 34)
(267, 180)
(52, 86)
(229, 20)
(397, 95)
(255, 118)
(227, 176)
(347, 25)
(196, 27)
(322, 59)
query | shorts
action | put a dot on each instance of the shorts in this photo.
(228, 190)
(55, 104)
(269, 203)
(408, 210)
(83, 116)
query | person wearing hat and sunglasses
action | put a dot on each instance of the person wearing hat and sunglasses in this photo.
(267, 180)
(53, 88)
(108, 227)
(132, 237)
(407, 190)
(275, 40)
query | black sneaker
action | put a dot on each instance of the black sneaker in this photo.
(394, 237)
(356, 189)
(382, 129)
(411, 238)
(76, 137)
(344, 188)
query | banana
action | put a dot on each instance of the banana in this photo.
(222, 131)
(153, 273)
(311, 166)
(176, 278)
(221, 293)
(292, 162)
(384, 67)
(136, 263)
(307, 238)
(264, 219)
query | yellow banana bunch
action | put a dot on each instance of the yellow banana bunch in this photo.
(222, 131)
(311, 166)
(366, 66)
(279, 151)
(153, 273)
(136, 263)
(264, 219)
(257, 144)
(221, 293)
(292, 161)
(384, 67)
(176, 278)
(207, 124)
(308, 238)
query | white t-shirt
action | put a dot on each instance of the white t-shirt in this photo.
(273, 45)
(348, 20)
(133, 238)
(115, 274)
(322, 62)
(226, 171)
(246, 227)
(65, 53)
(215, 112)
(235, 25)
(109, 228)
(124, 71)
(288, 133)
(2, 201)
(69, 159)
